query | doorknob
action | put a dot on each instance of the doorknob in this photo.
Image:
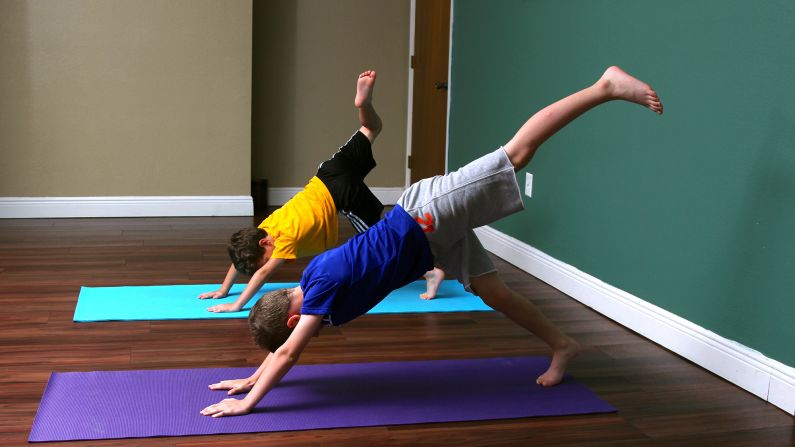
(440, 85)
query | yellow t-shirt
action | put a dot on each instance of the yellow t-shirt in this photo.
(306, 225)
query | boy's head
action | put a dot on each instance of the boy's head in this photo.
(268, 319)
(249, 248)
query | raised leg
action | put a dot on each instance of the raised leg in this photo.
(615, 84)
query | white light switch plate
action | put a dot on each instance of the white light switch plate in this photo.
(528, 185)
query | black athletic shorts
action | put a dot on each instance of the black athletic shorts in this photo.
(344, 173)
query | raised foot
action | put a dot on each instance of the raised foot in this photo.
(560, 360)
(622, 85)
(364, 89)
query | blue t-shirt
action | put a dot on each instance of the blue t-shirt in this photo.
(347, 281)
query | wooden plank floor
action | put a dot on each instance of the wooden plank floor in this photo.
(662, 400)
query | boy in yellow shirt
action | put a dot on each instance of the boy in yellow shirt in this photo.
(307, 224)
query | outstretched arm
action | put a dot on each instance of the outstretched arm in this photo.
(254, 284)
(273, 369)
(236, 386)
(371, 122)
(231, 276)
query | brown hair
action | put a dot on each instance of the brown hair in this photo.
(268, 320)
(244, 249)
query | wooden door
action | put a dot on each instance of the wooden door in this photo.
(429, 111)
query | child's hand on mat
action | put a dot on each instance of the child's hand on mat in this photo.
(234, 386)
(226, 307)
(214, 295)
(227, 407)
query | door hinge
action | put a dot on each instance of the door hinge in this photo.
(412, 61)
(408, 162)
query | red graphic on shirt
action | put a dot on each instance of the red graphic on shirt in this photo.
(426, 224)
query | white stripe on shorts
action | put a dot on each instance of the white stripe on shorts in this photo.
(356, 221)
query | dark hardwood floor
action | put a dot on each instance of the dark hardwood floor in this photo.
(662, 400)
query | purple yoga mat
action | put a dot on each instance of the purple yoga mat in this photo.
(139, 404)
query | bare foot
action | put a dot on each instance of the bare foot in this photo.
(560, 359)
(621, 85)
(364, 89)
(434, 279)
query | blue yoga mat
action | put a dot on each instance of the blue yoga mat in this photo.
(180, 302)
(136, 404)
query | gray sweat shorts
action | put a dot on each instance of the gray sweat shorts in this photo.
(448, 207)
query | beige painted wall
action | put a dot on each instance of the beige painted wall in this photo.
(307, 55)
(125, 97)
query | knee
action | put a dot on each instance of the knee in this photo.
(520, 153)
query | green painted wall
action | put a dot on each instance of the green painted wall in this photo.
(693, 211)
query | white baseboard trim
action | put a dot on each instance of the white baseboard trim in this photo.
(125, 206)
(153, 206)
(743, 366)
(280, 196)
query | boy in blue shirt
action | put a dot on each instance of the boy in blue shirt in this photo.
(431, 225)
